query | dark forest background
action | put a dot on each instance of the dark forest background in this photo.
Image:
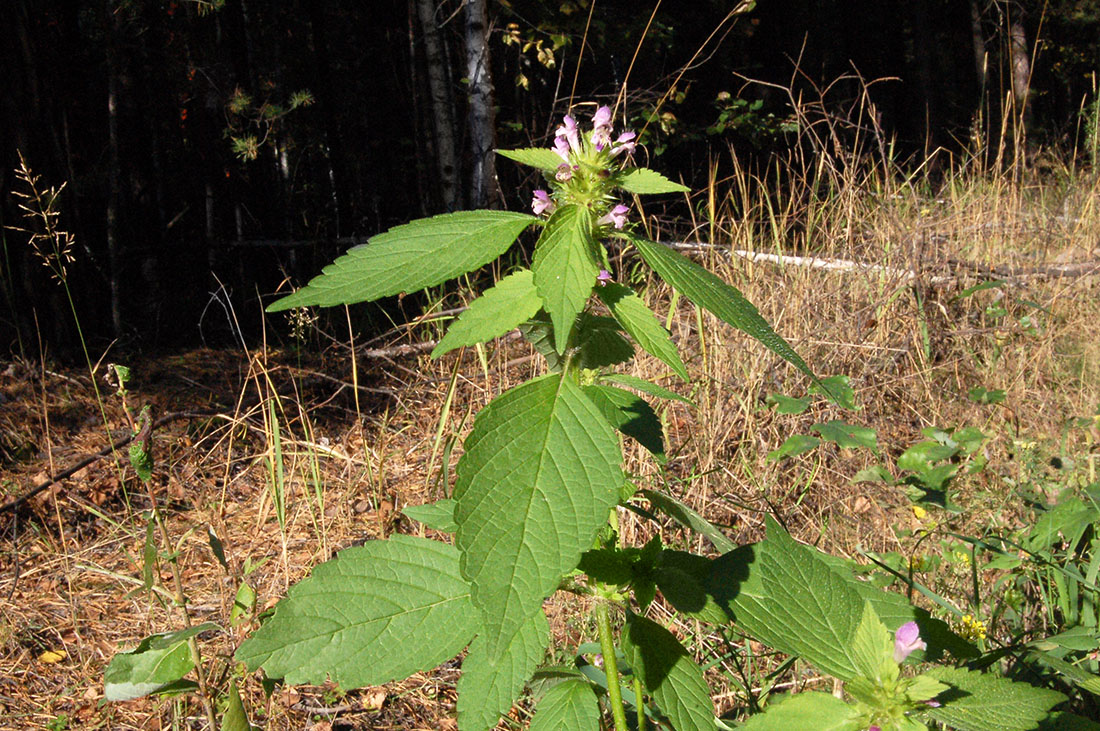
(214, 151)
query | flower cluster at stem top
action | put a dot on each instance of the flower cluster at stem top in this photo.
(586, 173)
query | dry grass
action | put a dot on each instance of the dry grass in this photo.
(71, 557)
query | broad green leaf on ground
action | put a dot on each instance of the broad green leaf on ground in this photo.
(793, 446)
(439, 515)
(668, 673)
(985, 702)
(410, 257)
(787, 404)
(489, 684)
(782, 594)
(638, 320)
(721, 299)
(565, 268)
(848, 436)
(375, 613)
(235, 718)
(542, 158)
(640, 384)
(819, 711)
(644, 181)
(923, 455)
(631, 415)
(156, 663)
(501, 308)
(571, 705)
(837, 389)
(539, 476)
(688, 518)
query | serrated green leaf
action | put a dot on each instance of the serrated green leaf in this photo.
(244, 602)
(873, 647)
(600, 343)
(614, 566)
(638, 320)
(644, 181)
(1064, 721)
(682, 578)
(542, 158)
(155, 664)
(668, 673)
(539, 476)
(921, 456)
(439, 515)
(410, 257)
(984, 702)
(848, 436)
(787, 404)
(344, 622)
(838, 390)
(565, 268)
(501, 308)
(235, 718)
(571, 705)
(721, 299)
(631, 415)
(806, 710)
(539, 332)
(644, 386)
(793, 446)
(688, 518)
(490, 683)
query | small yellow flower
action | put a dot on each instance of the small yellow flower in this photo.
(919, 512)
(971, 629)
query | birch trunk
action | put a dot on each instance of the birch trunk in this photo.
(441, 104)
(483, 173)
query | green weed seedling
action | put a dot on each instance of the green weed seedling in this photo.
(535, 500)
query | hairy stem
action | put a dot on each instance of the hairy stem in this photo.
(611, 665)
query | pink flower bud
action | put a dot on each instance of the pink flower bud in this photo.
(604, 277)
(907, 639)
(542, 203)
(616, 217)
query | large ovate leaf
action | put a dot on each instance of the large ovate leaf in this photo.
(571, 705)
(985, 702)
(375, 613)
(542, 158)
(411, 257)
(512, 301)
(806, 710)
(721, 299)
(631, 415)
(668, 673)
(565, 268)
(157, 662)
(638, 320)
(644, 181)
(538, 478)
(491, 683)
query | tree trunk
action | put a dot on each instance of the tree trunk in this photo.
(441, 106)
(483, 173)
(1021, 69)
(114, 258)
(978, 40)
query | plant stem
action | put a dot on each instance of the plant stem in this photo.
(639, 704)
(611, 665)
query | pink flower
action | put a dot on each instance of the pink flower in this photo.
(561, 146)
(602, 117)
(616, 217)
(601, 128)
(907, 639)
(570, 132)
(625, 143)
(542, 203)
(564, 173)
(604, 277)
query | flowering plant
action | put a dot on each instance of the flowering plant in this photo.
(537, 492)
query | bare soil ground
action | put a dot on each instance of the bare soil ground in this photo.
(72, 556)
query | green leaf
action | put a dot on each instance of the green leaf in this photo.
(644, 181)
(375, 613)
(1064, 721)
(565, 268)
(786, 404)
(984, 396)
(540, 333)
(141, 460)
(571, 705)
(838, 390)
(244, 602)
(985, 702)
(638, 320)
(793, 446)
(410, 257)
(873, 647)
(711, 293)
(235, 718)
(539, 476)
(542, 158)
(600, 342)
(668, 673)
(491, 683)
(819, 711)
(155, 664)
(688, 518)
(874, 473)
(501, 308)
(439, 515)
(644, 386)
(921, 456)
(631, 415)
(846, 435)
